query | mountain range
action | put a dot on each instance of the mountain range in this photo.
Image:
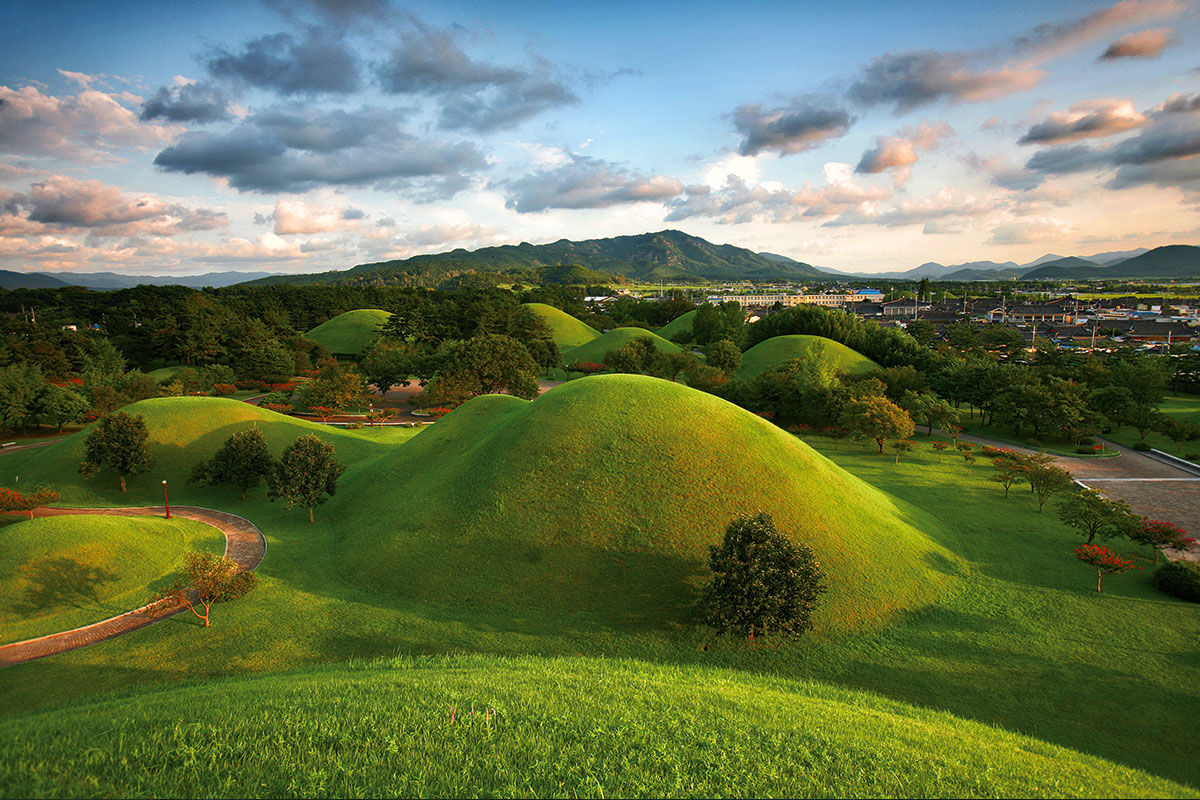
(116, 280)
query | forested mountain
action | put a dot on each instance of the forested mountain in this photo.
(116, 280)
(1171, 261)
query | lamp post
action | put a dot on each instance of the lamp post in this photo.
(166, 502)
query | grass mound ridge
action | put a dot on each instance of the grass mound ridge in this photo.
(349, 333)
(601, 498)
(564, 727)
(614, 340)
(183, 431)
(567, 331)
(780, 349)
(59, 573)
(681, 323)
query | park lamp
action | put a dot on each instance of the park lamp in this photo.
(166, 502)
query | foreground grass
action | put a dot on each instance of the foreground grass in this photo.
(1023, 642)
(59, 573)
(565, 727)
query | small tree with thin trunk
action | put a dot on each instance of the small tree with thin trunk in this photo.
(306, 474)
(207, 579)
(120, 442)
(1093, 514)
(876, 418)
(242, 461)
(1047, 480)
(969, 457)
(11, 500)
(941, 447)
(762, 582)
(1008, 470)
(1105, 561)
(1161, 536)
(902, 446)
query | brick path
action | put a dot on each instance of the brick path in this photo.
(244, 543)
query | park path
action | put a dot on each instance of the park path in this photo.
(244, 543)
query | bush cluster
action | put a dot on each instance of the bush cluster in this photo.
(1180, 579)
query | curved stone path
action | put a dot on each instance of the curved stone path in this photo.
(244, 543)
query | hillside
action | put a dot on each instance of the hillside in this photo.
(28, 280)
(596, 349)
(649, 256)
(602, 497)
(567, 331)
(349, 333)
(1171, 261)
(535, 727)
(780, 349)
(678, 325)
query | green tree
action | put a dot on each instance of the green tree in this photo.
(922, 330)
(1093, 514)
(723, 355)
(336, 386)
(762, 581)
(207, 579)
(876, 418)
(1008, 470)
(634, 357)
(1047, 480)
(268, 361)
(20, 385)
(1177, 430)
(306, 474)
(487, 364)
(242, 461)
(387, 363)
(929, 410)
(58, 406)
(120, 442)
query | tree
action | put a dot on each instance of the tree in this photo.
(634, 357)
(11, 500)
(336, 386)
(1008, 470)
(1047, 480)
(940, 446)
(1161, 536)
(120, 442)
(1177, 430)
(1105, 561)
(306, 474)
(1144, 419)
(762, 581)
(922, 330)
(969, 457)
(1093, 514)
(487, 364)
(59, 406)
(930, 410)
(876, 418)
(386, 364)
(902, 446)
(20, 385)
(242, 461)
(723, 355)
(207, 579)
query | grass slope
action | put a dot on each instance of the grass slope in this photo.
(602, 497)
(596, 349)
(678, 325)
(565, 727)
(349, 333)
(58, 573)
(567, 331)
(780, 349)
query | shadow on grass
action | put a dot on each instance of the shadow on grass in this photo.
(61, 581)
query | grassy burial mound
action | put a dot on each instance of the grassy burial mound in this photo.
(183, 431)
(602, 497)
(780, 349)
(678, 325)
(463, 726)
(567, 331)
(351, 332)
(59, 573)
(615, 339)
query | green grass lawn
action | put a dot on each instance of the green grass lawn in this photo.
(1019, 639)
(349, 333)
(680, 324)
(473, 726)
(59, 573)
(779, 350)
(567, 331)
(596, 349)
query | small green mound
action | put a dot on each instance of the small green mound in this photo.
(567, 331)
(780, 349)
(615, 339)
(678, 325)
(183, 432)
(164, 373)
(59, 573)
(351, 332)
(601, 498)
(534, 727)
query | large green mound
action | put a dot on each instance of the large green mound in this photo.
(351, 332)
(567, 331)
(780, 349)
(58, 573)
(183, 431)
(602, 497)
(680, 324)
(531, 727)
(615, 339)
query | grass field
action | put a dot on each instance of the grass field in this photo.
(349, 333)
(1020, 639)
(596, 349)
(778, 350)
(534, 727)
(58, 573)
(567, 331)
(1184, 406)
(678, 325)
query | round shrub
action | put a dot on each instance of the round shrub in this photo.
(1141, 447)
(1084, 450)
(1085, 442)
(1180, 579)
(223, 389)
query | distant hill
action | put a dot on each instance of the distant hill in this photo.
(648, 256)
(349, 333)
(115, 280)
(28, 280)
(1171, 261)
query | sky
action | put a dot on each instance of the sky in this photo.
(180, 137)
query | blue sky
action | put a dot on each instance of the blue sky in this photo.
(184, 137)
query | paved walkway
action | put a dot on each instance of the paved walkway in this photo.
(244, 543)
